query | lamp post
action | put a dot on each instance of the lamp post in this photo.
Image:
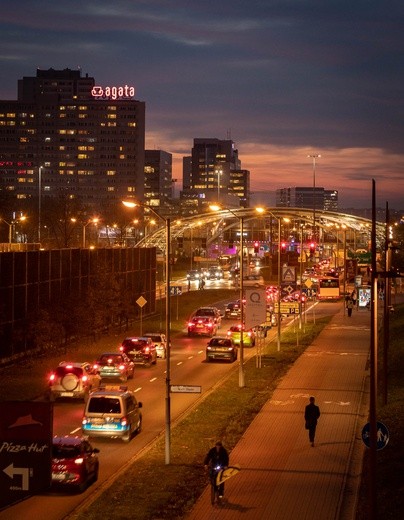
(218, 172)
(131, 204)
(92, 221)
(314, 157)
(11, 226)
(39, 202)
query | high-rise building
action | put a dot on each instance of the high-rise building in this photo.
(158, 187)
(307, 197)
(213, 173)
(67, 135)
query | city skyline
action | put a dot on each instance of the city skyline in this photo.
(283, 80)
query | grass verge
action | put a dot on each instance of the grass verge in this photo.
(225, 413)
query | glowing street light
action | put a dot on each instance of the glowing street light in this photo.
(91, 221)
(314, 157)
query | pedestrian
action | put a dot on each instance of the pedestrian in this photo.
(311, 414)
(217, 456)
(349, 306)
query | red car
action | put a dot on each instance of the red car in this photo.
(74, 462)
(202, 325)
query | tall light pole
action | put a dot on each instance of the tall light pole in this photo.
(39, 202)
(314, 157)
(131, 204)
(218, 172)
(11, 226)
(92, 221)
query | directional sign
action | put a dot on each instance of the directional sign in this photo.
(175, 290)
(186, 389)
(25, 449)
(382, 435)
(290, 307)
(141, 301)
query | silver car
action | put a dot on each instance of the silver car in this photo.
(160, 343)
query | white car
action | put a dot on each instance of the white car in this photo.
(160, 343)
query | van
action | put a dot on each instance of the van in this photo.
(112, 411)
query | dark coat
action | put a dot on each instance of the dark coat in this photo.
(217, 458)
(311, 414)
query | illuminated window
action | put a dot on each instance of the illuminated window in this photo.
(122, 156)
(112, 107)
(111, 124)
(111, 116)
(83, 116)
(111, 172)
(61, 116)
(83, 107)
(111, 188)
(24, 140)
(21, 196)
(47, 139)
(10, 114)
(132, 124)
(82, 156)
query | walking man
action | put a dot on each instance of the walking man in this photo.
(311, 414)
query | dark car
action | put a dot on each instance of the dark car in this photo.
(74, 462)
(140, 349)
(194, 275)
(214, 273)
(202, 325)
(233, 310)
(221, 347)
(114, 365)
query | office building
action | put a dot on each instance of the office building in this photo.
(158, 184)
(307, 197)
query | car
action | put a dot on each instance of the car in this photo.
(221, 347)
(202, 325)
(234, 332)
(194, 275)
(72, 380)
(114, 365)
(211, 312)
(140, 349)
(112, 411)
(253, 280)
(160, 343)
(214, 273)
(233, 310)
(75, 463)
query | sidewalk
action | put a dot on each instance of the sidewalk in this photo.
(282, 476)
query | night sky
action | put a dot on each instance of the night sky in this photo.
(282, 78)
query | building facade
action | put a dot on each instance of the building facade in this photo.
(67, 137)
(307, 197)
(158, 183)
(213, 174)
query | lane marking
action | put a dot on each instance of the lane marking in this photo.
(153, 379)
(138, 389)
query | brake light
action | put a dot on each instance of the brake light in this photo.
(69, 366)
(84, 379)
(121, 348)
(95, 367)
(190, 324)
(249, 334)
(79, 460)
(210, 325)
(121, 367)
(124, 421)
(147, 350)
(52, 377)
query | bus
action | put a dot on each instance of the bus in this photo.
(328, 288)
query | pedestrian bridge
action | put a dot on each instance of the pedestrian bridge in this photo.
(212, 225)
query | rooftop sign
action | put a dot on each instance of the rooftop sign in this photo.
(113, 92)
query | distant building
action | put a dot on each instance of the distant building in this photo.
(158, 184)
(68, 136)
(213, 174)
(307, 197)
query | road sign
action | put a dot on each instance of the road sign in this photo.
(186, 389)
(288, 274)
(141, 301)
(175, 290)
(255, 307)
(382, 435)
(290, 307)
(25, 449)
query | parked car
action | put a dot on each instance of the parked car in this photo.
(160, 343)
(221, 347)
(114, 365)
(202, 325)
(211, 312)
(75, 462)
(234, 332)
(140, 349)
(72, 380)
(112, 411)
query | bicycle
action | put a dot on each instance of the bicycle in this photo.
(215, 490)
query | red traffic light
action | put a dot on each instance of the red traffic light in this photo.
(256, 247)
(283, 246)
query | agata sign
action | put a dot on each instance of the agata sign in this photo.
(113, 92)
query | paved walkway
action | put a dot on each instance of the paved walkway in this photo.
(283, 477)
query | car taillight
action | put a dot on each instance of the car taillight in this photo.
(84, 379)
(190, 324)
(210, 324)
(124, 421)
(121, 349)
(249, 334)
(95, 367)
(79, 460)
(121, 367)
(147, 350)
(52, 377)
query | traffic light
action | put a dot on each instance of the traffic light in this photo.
(283, 247)
(312, 249)
(256, 247)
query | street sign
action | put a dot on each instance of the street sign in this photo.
(141, 301)
(290, 307)
(288, 274)
(186, 389)
(255, 307)
(175, 290)
(382, 435)
(25, 449)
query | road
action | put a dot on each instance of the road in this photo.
(188, 367)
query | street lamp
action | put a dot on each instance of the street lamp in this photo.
(131, 204)
(11, 226)
(314, 157)
(91, 221)
(39, 202)
(216, 207)
(218, 172)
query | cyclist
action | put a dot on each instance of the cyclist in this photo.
(217, 457)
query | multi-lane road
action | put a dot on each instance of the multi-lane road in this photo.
(188, 367)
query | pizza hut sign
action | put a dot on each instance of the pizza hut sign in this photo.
(113, 92)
